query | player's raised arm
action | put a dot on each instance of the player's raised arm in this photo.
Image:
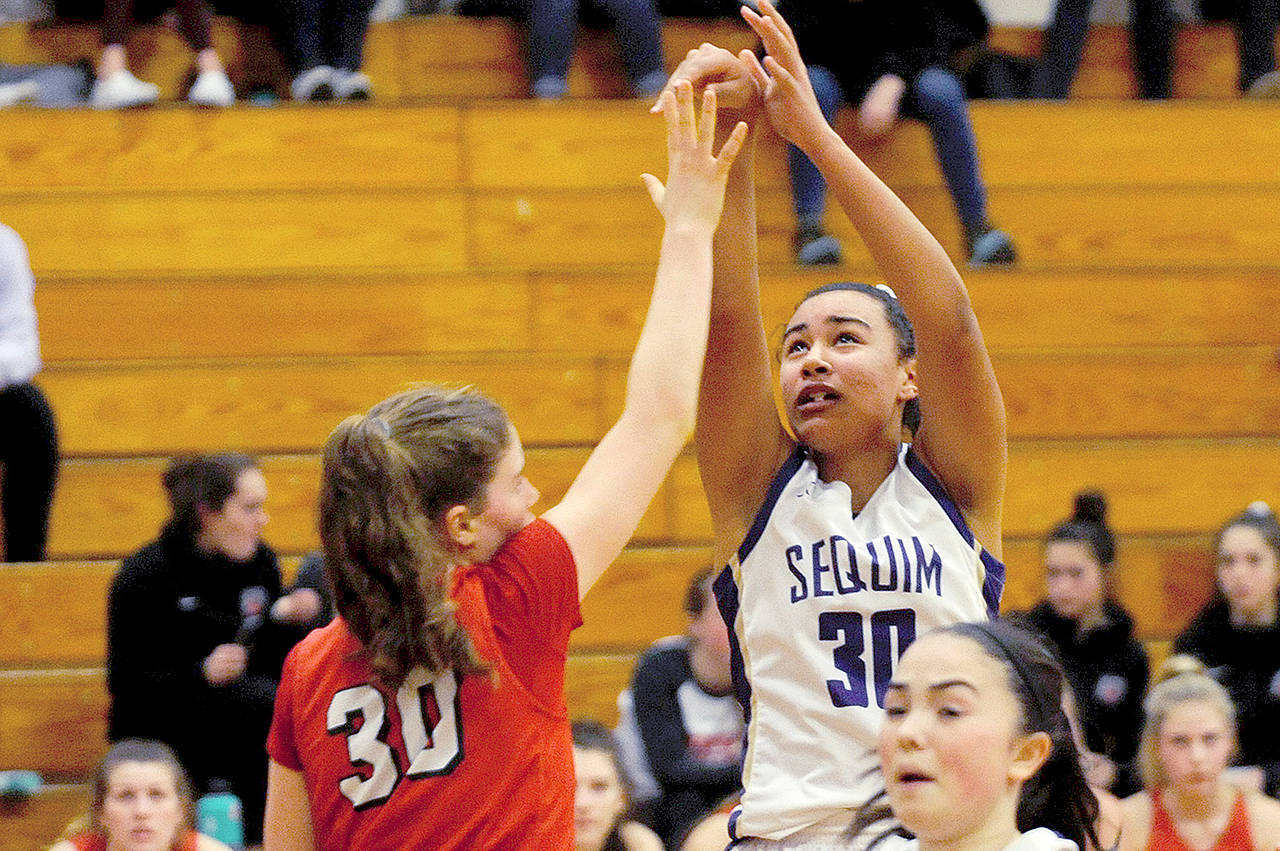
(962, 436)
(605, 503)
(739, 438)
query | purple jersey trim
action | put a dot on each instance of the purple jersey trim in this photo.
(726, 594)
(780, 479)
(993, 584)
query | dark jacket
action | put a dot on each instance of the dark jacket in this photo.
(169, 606)
(859, 41)
(1246, 660)
(692, 749)
(1108, 671)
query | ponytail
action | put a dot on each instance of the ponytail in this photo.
(388, 479)
(1088, 525)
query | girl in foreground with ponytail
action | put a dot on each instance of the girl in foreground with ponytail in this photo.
(431, 713)
(976, 750)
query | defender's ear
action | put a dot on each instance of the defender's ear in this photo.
(460, 527)
(1029, 755)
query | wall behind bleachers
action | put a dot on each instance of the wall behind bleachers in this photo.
(244, 279)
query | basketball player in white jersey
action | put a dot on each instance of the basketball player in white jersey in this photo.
(841, 543)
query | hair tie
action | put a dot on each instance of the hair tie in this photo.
(887, 289)
(380, 425)
(1044, 706)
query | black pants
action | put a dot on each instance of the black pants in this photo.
(1256, 22)
(29, 458)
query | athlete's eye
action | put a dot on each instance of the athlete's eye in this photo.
(846, 337)
(797, 347)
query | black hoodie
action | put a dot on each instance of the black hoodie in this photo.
(169, 606)
(1108, 670)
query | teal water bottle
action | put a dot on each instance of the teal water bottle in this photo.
(218, 815)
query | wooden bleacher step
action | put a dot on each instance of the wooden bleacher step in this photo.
(275, 316)
(108, 508)
(269, 406)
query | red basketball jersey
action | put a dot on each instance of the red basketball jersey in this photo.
(465, 763)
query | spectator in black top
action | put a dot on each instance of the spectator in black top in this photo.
(193, 659)
(891, 59)
(688, 719)
(1106, 666)
(1237, 635)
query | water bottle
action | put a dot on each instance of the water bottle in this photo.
(218, 815)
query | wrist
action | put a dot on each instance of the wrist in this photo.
(820, 140)
(689, 230)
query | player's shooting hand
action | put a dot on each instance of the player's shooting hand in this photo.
(722, 71)
(783, 80)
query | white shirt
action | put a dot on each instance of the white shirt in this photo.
(19, 342)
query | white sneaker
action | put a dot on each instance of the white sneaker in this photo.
(1266, 87)
(313, 84)
(122, 90)
(15, 93)
(351, 85)
(212, 88)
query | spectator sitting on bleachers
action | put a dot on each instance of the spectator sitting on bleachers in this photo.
(894, 58)
(1106, 666)
(600, 799)
(29, 448)
(1255, 22)
(142, 801)
(116, 88)
(1237, 635)
(1190, 800)
(1152, 25)
(193, 660)
(687, 717)
(328, 41)
(553, 26)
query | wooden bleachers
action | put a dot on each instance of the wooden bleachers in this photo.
(244, 279)
(33, 824)
(535, 195)
(446, 57)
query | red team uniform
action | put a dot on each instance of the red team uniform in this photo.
(98, 842)
(484, 762)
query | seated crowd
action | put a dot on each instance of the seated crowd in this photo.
(976, 746)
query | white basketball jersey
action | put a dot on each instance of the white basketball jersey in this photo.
(821, 603)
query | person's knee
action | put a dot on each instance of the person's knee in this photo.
(938, 91)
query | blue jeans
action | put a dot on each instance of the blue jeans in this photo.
(936, 96)
(554, 23)
(1256, 23)
(330, 32)
(1151, 24)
